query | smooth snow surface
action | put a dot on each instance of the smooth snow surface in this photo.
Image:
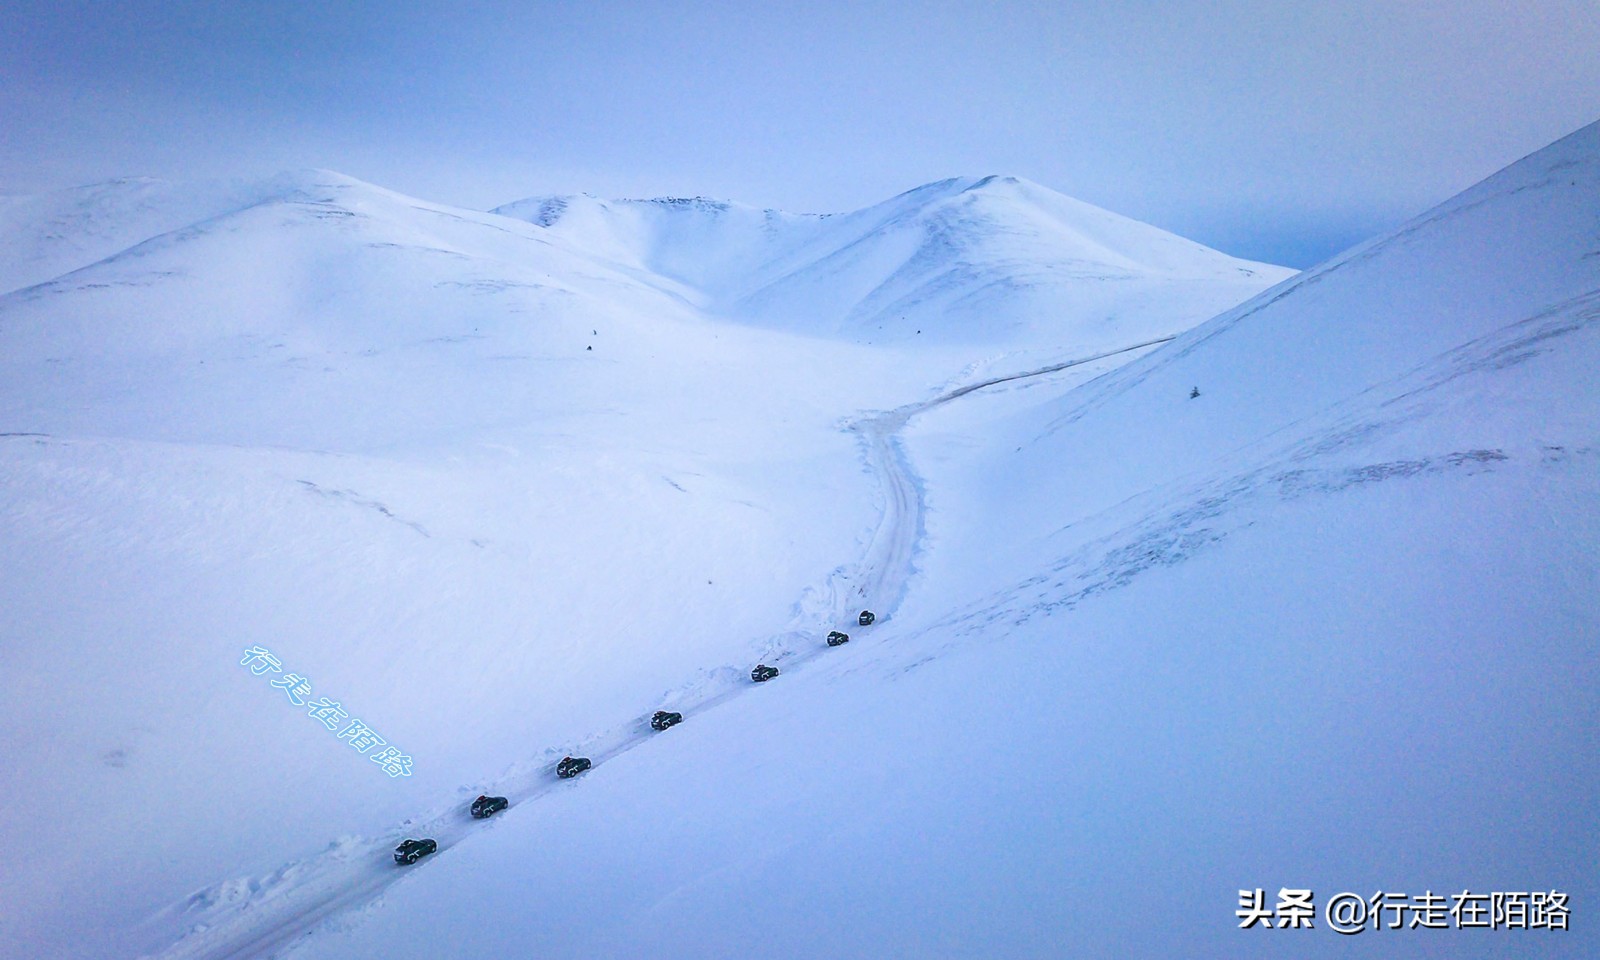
(1328, 624)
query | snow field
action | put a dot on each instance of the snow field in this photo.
(1324, 625)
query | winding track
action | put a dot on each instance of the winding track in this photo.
(885, 572)
(289, 905)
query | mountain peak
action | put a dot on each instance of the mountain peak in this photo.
(995, 179)
(966, 253)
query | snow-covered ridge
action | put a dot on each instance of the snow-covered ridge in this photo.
(980, 258)
(44, 236)
(991, 260)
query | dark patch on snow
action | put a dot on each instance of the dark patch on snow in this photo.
(488, 286)
(550, 211)
(350, 496)
(416, 248)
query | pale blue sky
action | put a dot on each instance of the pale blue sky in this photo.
(1277, 130)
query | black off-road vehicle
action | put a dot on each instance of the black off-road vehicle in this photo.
(488, 806)
(762, 673)
(866, 618)
(410, 851)
(664, 719)
(835, 638)
(570, 767)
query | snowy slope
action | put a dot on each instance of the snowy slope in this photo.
(498, 493)
(982, 261)
(1330, 624)
(44, 236)
(370, 436)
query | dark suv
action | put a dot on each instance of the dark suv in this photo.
(570, 767)
(664, 719)
(762, 673)
(835, 638)
(866, 618)
(410, 851)
(488, 806)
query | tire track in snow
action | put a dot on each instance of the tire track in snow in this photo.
(885, 572)
(274, 914)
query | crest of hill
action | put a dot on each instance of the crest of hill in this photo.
(43, 236)
(251, 286)
(991, 261)
(1443, 316)
(974, 258)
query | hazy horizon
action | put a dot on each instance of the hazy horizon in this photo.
(1276, 134)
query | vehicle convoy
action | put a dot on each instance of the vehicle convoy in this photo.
(488, 806)
(410, 851)
(570, 767)
(835, 638)
(664, 719)
(762, 673)
(866, 618)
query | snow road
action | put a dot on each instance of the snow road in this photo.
(885, 572)
(249, 918)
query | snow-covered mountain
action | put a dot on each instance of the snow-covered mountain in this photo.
(1326, 624)
(977, 260)
(46, 235)
(491, 489)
